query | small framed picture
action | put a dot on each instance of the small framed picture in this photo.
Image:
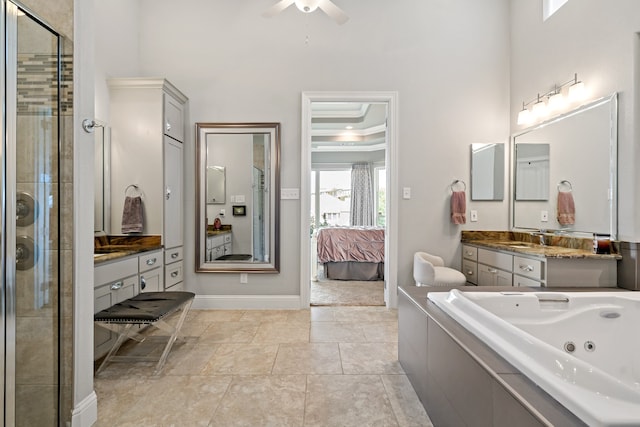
(240, 210)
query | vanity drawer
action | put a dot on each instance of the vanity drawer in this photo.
(495, 259)
(172, 255)
(524, 281)
(470, 270)
(172, 274)
(105, 273)
(527, 267)
(470, 252)
(148, 261)
(227, 238)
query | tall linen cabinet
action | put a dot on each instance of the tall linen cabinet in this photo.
(148, 119)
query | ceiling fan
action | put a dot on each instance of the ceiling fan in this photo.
(308, 6)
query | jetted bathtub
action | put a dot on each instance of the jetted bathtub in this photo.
(582, 348)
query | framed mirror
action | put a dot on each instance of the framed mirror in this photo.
(487, 171)
(238, 197)
(574, 153)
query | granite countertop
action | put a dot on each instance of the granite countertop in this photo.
(109, 248)
(556, 247)
(101, 257)
(217, 232)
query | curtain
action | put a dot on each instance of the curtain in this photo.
(362, 202)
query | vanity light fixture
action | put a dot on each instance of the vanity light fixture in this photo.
(551, 101)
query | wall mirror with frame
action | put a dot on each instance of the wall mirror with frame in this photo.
(581, 148)
(237, 215)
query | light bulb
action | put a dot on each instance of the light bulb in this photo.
(556, 101)
(539, 109)
(576, 91)
(307, 6)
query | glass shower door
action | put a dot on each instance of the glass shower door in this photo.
(31, 158)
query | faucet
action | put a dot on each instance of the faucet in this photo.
(540, 235)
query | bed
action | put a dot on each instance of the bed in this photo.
(352, 253)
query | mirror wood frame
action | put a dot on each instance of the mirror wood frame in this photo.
(273, 191)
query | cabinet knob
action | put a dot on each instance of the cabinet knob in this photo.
(116, 286)
(174, 255)
(151, 261)
(470, 273)
(143, 283)
(526, 267)
(492, 270)
(168, 126)
(168, 193)
(174, 274)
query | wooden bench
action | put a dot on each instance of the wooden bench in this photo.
(148, 308)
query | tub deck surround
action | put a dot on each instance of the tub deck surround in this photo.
(460, 379)
(556, 246)
(570, 344)
(109, 248)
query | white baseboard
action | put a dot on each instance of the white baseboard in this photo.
(247, 302)
(85, 414)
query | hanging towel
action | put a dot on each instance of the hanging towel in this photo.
(132, 221)
(566, 208)
(459, 207)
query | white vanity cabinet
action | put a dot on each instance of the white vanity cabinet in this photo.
(484, 266)
(147, 132)
(113, 282)
(494, 268)
(219, 245)
(173, 269)
(151, 271)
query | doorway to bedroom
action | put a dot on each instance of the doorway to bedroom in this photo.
(347, 177)
(347, 261)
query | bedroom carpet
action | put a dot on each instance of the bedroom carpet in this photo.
(347, 292)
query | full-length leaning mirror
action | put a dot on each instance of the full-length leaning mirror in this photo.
(572, 156)
(238, 197)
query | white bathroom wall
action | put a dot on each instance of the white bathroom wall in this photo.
(599, 41)
(448, 60)
(116, 47)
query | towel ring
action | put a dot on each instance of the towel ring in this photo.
(565, 182)
(137, 190)
(457, 181)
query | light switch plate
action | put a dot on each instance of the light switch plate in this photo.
(474, 216)
(544, 216)
(290, 193)
(406, 193)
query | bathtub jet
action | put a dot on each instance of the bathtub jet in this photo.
(579, 347)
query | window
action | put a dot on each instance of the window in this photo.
(330, 198)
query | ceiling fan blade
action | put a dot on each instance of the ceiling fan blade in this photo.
(277, 8)
(333, 11)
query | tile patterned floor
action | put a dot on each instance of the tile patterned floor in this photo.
(327, 366)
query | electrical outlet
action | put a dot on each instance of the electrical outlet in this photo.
(544, 216)
(406, 193)
(222, 212)
(474, 216)
(244, 277)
